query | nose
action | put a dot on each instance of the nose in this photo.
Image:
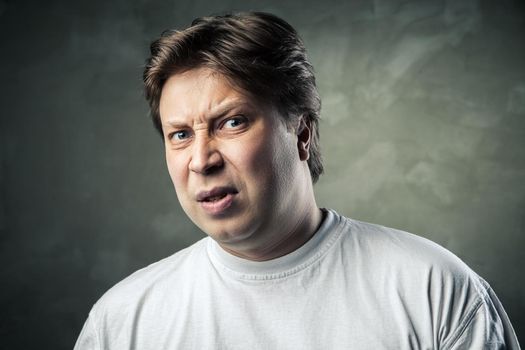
(205, 157)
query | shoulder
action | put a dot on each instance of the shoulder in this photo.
(415, 267)
(379, 245)
(142, 296)
(428, 283)
(170, 273)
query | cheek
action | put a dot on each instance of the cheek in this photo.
(250, 157)
(175, 169)
(258, 164)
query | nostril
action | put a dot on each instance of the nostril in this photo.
(212, 169)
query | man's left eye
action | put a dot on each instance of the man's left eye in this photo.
(234, 122)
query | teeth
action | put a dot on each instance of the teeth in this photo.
(215, 198)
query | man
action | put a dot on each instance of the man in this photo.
(235, 100)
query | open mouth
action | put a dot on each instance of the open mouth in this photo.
(218, 200)
(216, 194)
(214, 198)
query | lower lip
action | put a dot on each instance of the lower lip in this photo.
(219, 206)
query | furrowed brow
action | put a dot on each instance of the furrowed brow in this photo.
(221, 110)
(216, 113)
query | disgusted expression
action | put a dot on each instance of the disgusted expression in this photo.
(232, 159)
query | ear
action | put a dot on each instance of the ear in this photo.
(304, 135)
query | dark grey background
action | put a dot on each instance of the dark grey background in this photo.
(423, 130)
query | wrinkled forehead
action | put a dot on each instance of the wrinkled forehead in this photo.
(203, 93)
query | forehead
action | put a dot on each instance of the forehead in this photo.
(198, 92)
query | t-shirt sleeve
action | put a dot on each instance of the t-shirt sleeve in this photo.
(88, 338)
(487, 327)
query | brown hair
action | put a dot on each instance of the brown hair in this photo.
(257, 52)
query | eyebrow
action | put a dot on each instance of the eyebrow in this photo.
(216, 113)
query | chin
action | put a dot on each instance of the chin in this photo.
(227, 233)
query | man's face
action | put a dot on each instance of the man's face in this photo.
(232, 160)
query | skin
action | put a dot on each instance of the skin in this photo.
(217, 136)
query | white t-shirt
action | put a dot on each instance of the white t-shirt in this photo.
(353, 285)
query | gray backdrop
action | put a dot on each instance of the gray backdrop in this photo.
(423, 130)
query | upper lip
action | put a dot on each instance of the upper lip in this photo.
(214, 192)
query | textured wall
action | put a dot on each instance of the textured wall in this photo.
(424, 125)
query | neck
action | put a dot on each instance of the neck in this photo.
(289, 239)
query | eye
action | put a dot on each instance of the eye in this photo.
(234, 122)
(179, 135)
